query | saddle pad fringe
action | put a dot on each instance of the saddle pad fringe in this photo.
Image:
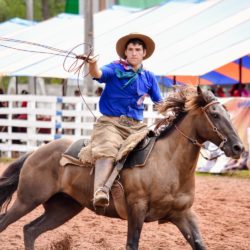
(67, 159)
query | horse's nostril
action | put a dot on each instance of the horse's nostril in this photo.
(238, 148)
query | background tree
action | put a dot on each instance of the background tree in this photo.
(10, 9)
(43, 9)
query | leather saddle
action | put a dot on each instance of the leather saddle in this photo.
(136, 158)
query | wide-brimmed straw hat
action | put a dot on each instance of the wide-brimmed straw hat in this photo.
(121, 43)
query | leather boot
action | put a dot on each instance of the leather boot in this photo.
(103, 169)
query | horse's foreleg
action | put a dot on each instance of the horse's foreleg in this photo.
(58, 210)
(187, 224)
(136, 217)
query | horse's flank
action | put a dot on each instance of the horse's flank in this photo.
(167, 179)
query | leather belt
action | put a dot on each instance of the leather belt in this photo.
(127, 121)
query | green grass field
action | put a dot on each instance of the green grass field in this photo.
(5, 160)
(234, 173)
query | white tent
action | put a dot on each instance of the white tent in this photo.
(63, 32)
(14, 25)
(191, 38)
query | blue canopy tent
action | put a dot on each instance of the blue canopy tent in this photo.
(234, 72)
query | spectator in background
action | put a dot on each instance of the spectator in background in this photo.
(23, 105)
(244, 91)
(235, 90)
(239, 90)
(3, 116)
(220, 92)
(3, 105)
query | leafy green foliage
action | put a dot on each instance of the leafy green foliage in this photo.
(10, 9)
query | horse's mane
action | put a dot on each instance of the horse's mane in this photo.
(176, 105)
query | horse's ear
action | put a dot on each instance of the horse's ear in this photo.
(199, 90)
(203, 94)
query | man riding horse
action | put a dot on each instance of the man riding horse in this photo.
(121, 104)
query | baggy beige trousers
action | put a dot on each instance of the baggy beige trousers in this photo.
(108, 135)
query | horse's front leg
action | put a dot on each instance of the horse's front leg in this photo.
(136, 216)
(187, 224)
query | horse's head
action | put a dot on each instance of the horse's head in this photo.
(214, 125)
(212, 121)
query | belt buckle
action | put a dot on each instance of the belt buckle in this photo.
(125, 121)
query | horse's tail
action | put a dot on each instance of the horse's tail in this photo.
(9, 181)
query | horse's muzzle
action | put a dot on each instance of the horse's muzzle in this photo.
(235, 151)
(238, 149)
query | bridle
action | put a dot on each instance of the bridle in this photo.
(215, 129)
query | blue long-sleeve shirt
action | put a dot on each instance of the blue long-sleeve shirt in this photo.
(123, 95)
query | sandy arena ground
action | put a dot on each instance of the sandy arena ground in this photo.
(222, 205)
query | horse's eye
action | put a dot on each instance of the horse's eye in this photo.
(215, 115)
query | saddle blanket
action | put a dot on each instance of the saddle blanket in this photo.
(128, 145)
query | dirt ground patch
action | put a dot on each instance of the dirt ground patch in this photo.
(222, 205)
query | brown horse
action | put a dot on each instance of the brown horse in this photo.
(162, 190)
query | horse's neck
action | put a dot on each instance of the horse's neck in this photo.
(177, 151)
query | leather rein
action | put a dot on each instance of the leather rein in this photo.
(195, 142)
